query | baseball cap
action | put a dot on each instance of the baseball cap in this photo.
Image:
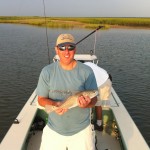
(65, 39)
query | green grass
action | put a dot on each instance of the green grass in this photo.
(63, 22)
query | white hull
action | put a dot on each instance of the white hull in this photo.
(130, 136)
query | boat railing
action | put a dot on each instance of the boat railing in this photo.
(81, 57)
(18, 131)
(131, 136)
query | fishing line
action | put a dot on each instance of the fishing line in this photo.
(46, 32)
(95, 42)
(95, 31)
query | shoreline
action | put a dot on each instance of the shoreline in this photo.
(56, 22)
(128, 27)
(105, 28)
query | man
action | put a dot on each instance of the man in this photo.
(67, 128)
(104, 85)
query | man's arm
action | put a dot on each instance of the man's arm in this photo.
(43, 101)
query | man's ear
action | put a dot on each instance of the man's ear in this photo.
(56, 50)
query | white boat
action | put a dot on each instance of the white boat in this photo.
(119, 133)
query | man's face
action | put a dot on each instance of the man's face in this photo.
(66, 53)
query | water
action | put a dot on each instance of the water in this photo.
(125, 53)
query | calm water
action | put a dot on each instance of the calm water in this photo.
(125, 53)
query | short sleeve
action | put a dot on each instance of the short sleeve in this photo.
(42, 87)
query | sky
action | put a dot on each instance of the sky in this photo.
(76, 8)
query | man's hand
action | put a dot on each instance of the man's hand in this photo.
(61, 111)
(83, 101)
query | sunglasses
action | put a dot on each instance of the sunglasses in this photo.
(64, 47)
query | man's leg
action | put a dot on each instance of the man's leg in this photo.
(84, 140)
(52, 140)
(98, 125)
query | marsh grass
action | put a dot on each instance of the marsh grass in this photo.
(63, 22)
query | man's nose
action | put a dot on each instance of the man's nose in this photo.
(66, 51)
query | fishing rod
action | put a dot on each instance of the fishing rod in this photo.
(46, 32)
(90, 34)
(76, 43)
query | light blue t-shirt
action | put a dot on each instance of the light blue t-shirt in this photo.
(58, 84)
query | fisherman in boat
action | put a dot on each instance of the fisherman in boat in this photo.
(104, 83)
(67, 128)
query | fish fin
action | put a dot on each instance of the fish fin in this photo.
(74, 92)
(75, 105)
(50, 108)
(97, 94)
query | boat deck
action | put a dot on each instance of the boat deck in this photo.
(36, 138)
(107, 142)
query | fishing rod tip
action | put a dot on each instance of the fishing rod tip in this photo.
(100, 27)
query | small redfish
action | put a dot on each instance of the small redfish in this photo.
(71, 101)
